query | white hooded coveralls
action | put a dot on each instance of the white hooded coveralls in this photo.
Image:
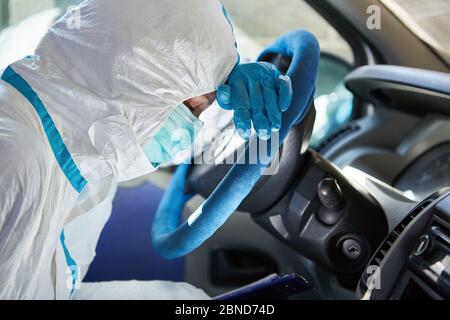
(73, 120)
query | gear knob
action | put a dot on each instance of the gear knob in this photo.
(330, 194)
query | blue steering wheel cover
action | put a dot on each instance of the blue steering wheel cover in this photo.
(171, 241)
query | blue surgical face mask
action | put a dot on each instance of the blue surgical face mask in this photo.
(176, 135)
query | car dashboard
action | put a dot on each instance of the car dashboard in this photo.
(399, 153)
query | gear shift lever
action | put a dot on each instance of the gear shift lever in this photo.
(330, 196)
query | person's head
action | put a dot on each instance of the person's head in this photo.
(131, 64)
(200, 103)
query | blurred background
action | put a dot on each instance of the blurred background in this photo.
(257, 22)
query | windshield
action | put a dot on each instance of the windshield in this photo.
(429, 20)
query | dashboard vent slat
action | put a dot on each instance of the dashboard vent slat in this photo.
(395, 234)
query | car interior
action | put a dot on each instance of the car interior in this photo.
(360, 205)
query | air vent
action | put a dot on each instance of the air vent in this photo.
(386, 245)
(340, 134)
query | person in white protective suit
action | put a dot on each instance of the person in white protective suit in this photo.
(106, 88)
(76, 118)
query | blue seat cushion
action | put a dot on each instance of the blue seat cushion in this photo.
(124, 250)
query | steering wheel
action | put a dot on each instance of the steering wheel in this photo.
(300, 50)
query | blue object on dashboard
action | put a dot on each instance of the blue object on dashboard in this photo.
(171, 241)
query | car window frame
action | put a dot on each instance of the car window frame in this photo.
(363, 52)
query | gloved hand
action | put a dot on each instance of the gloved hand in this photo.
(258, 93)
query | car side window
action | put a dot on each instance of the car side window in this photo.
(257, 23)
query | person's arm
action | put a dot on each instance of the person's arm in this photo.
(26, 214)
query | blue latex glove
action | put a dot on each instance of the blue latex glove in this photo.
(259, 94)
